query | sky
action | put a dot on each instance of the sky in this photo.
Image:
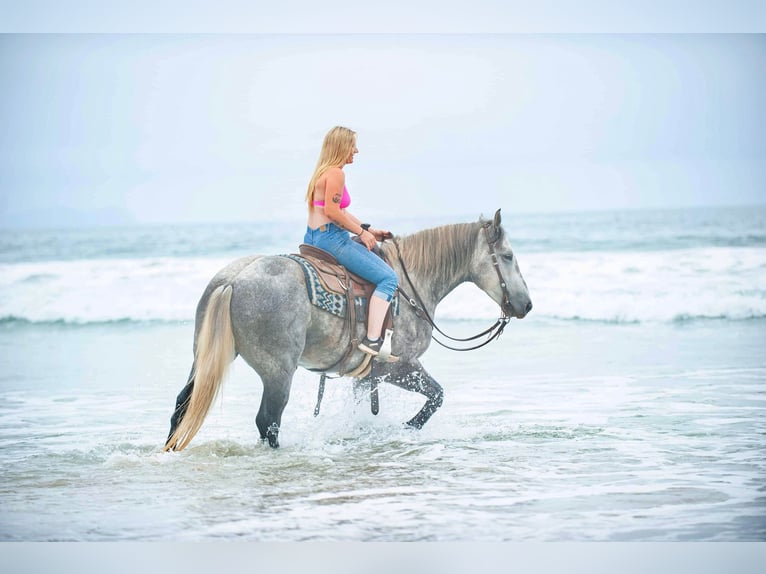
(127, 127)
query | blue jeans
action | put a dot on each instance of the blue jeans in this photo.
(355, 257)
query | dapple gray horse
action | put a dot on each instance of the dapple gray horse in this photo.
(257, 307)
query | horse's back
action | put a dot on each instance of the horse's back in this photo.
(253, 277)
(227, 274)
(224, 276)
(270, 310)
(273, 320)
(263, 284)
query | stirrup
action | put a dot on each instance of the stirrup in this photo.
(380, 351)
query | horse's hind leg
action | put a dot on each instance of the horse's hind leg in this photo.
(412, 377)
(182, 403)
(276, 392)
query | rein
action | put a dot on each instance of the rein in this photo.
(492, 332)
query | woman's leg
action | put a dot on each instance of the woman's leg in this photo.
(376, 314)
(356, 258)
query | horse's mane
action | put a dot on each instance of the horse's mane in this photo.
(441, 252)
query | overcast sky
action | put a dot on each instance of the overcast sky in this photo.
(227, 127)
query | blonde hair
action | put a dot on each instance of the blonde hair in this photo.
(336, 147)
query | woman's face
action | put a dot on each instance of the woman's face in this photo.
(354, 151)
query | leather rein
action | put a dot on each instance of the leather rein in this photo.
(492, 332)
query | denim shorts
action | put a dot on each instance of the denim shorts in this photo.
(355, 257)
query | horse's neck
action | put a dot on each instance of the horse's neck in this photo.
(433, 291)
(433, 285)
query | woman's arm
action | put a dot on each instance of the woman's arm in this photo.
(378, 234)
(332, 197)
(353, 217)
(333, 194)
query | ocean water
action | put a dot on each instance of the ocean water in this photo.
(629, 405)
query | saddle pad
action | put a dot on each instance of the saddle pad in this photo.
(334, 303)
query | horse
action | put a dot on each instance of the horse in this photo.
(257, 307)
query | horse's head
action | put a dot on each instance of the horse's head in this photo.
(496, 271)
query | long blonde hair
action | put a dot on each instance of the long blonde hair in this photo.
(337, 146)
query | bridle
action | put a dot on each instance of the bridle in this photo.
(506, 304)
(417, 302)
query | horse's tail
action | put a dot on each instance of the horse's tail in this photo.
(214, 353)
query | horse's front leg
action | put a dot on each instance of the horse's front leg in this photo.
(411, 376)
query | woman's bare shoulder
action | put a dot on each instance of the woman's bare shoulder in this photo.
(335, 174)
(333, 178)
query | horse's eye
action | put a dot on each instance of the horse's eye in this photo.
(508, 257)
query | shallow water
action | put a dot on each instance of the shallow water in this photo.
(559, 431)
(629, 405)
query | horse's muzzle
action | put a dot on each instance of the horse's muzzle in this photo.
(519, 312)
(528, 308)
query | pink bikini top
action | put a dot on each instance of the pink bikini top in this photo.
(345, 201)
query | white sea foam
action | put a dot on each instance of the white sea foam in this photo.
(97, 290)
(654, 286)
(662, 286)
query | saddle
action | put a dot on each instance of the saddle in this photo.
(356, 291)
(334, 277)
(335, 289)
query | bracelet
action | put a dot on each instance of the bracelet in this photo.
(365, 227)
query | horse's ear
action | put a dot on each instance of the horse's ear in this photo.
(496, 221)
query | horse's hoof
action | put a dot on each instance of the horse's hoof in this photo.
(272, 434)
(272, 440)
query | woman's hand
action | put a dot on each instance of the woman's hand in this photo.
(368, 238)
(380, 234)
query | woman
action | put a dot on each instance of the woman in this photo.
(330, 222)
